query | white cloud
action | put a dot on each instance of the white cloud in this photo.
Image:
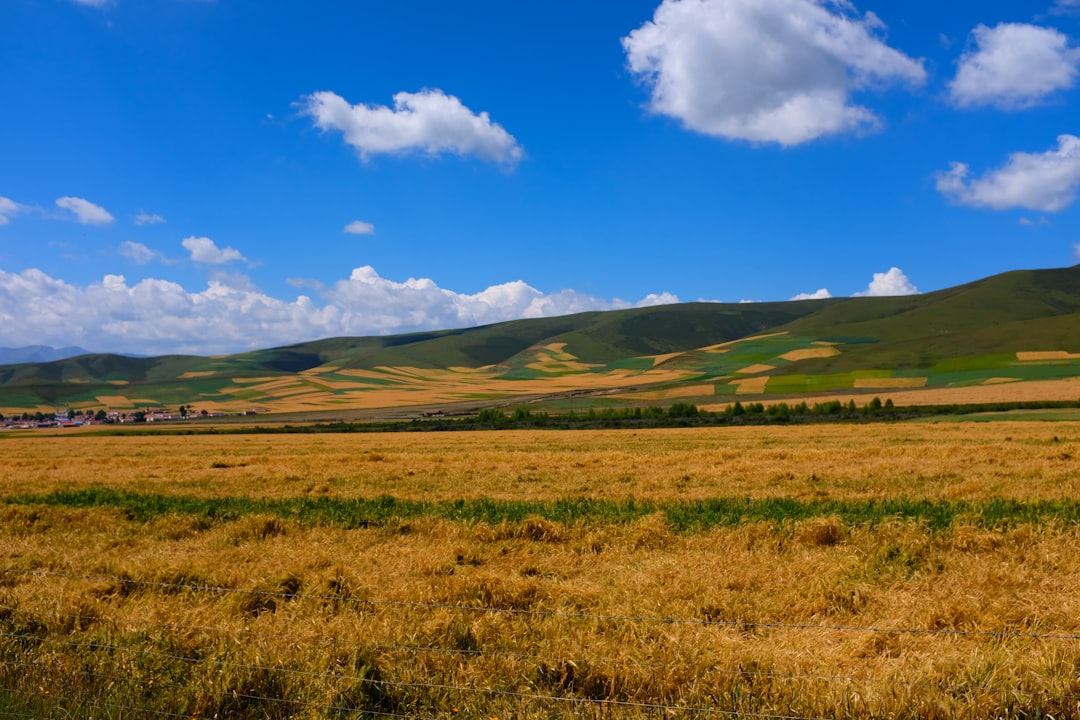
(86, 212)
(386, 306)
(654, 299)
(1076, 247)
(1066, 7)
(778, 71)
(141, 254)
(158, 316)
(205, 251)
(9, 209)
(359, 227)
(428, 121)
(145, 218)
(893, 282)
(1047, 182)
(138, 253)
(1014, 66)
(92, 3)
(822, 294)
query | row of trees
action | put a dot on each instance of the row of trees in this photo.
(684, 413)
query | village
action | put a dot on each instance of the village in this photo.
(69, 418)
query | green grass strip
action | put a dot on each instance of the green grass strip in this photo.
(684, 516)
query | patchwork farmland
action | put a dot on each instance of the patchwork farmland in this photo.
(1016, 334)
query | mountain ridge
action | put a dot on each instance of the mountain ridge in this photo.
(905, 338)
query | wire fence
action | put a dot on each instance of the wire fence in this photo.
(135, 652)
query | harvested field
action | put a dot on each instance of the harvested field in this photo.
(901, 571)
(1002, 390)
(754, 369)
(1047, 355)
(889, 383)
(810, 353)
(751, 386)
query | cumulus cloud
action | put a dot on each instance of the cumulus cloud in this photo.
(205, 251)
(359, 227)
(893, 282)
(822, 294)
(778, 71)
(1014, 66)
(1047, 182)
(9, 209)
(145, 218)
(429, 121)
(654, 299)
(158, 316)
(86, 212)
(386, 306)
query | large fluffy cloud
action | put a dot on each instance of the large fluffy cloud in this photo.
(428, 121)
(1046, 182)
(158, 316)
(86, 212)
(892, 282)
(1014, 66)
(765, 70)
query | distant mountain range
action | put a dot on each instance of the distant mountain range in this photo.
(1009, 328)
(38, 354)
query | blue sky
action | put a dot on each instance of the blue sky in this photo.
(217, 175)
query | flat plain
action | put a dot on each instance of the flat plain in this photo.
(885, 570)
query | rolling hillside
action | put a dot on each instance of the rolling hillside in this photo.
(1003, 330)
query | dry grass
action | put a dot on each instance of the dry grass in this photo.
(786, 618)
(956, 461)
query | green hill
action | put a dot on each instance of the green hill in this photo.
(961, 335)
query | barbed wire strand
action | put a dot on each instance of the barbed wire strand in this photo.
(737, 624)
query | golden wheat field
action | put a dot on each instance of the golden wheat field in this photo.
(832, 571)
